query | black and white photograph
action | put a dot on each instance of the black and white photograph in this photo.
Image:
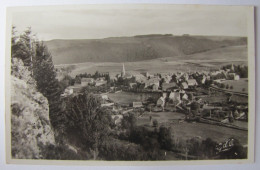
(130, 83)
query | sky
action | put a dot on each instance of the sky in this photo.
(102, 21)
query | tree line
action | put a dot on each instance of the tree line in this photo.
(242, 71)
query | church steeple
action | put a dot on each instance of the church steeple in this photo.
(232, 67)
(123, 70)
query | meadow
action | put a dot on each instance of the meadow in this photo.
(240, 86)
(203, 61)
(155, 66)
(130, 97)
(183, 130)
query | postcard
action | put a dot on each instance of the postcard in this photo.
(130, 84)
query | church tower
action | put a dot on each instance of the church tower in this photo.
(123, 70)
(232, 67)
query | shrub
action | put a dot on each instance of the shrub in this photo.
(231, 87)
(119, 150)
(207, 148)
(165, 138)
(227, 86)
(129, 121)
(61, 152)
(155, 123)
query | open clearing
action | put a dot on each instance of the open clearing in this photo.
(197, 62)
(238, 85)
(183, 131)
(130, 97)
(151, 66)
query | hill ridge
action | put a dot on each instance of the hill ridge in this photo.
(136, 48)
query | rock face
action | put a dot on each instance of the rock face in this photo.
(30, 124)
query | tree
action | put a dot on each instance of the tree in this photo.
(89, 120)
(66, 81)
(37, 58)
(96, 75)
(14, 43)
(165, 138)
(161, 82)
(22, 46)
(107, 77)
(195, 108)
(129, 121)
(227, 86)
(222, 85)
(155, 122)
(208, 147)
(46, 83)
(174, 78)
(193, 146)
(44, 73)
(208, 83)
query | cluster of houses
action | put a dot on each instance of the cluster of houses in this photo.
(158, 82)
(91, 81)
(179, 80)
(227, 74)
(175, 97)
(168, 82)
(83, 82)
(176, 89)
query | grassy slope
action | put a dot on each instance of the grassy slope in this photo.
(185, 130)
(139, 48)
(199, 61)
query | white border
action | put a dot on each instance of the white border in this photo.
(30, 2)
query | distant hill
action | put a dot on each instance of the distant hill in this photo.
(137, 48)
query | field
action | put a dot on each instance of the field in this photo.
(238, 85)
(129, 97)
(202, 61)
(214, 98)
(163, 65)
(184, 130)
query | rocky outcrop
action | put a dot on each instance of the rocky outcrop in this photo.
(30, 125)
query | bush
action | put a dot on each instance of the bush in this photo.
(61, 153)
(193, 145)
(83, 112)
(152, 140)
(155, 123)
(119, 150)
(165, 138)
(208, 148)
(222, 86)
(227, 86)
(231, 87)
(129, 121)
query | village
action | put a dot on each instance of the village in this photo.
(207, 97)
